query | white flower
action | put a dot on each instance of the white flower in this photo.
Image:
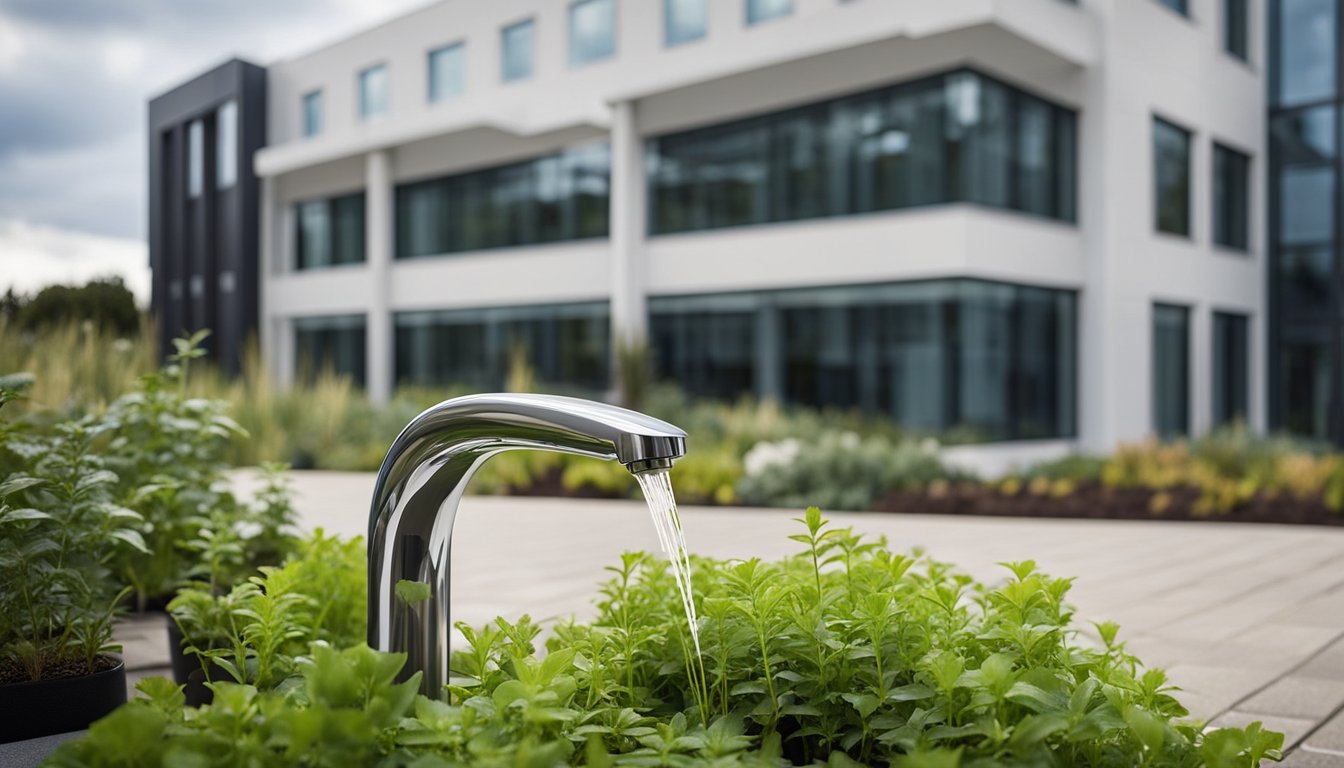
(929, 445)
(765, 455)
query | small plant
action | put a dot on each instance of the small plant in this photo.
(59, 530)
(255, 632)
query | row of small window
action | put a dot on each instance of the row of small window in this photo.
(592, 38)
(1236, 24)
(1171, 369)
(991, 360)
(1172, 188)
(959, 137)
(224, 124)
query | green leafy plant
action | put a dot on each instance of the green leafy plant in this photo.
(845, 654)
(255, 632)
(59, 529)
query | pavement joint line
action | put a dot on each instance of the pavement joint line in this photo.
(1302, 742)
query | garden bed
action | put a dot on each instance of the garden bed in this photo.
(1094, 501)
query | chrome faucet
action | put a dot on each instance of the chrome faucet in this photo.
(422, 481)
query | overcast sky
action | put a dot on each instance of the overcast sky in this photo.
(75, 76)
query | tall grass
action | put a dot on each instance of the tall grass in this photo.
(78, 366)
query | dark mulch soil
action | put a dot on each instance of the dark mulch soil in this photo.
(11, 672)
(1094, 501)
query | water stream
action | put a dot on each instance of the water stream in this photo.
(657, 488)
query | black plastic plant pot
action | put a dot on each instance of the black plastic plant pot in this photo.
(45, 707)
(187, 670)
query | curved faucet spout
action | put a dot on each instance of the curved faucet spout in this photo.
(425, 474)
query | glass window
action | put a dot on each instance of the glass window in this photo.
(373, 92)
(1306, 204)
(764, 10)
(566, 346)
(447, 72)
(1231, 197)
(1305, 373)
(1305, 136)
(334, 344)
(312, 113)
(684, 20)
(1235, 23)
(330, 232)
(195, 158)
(1171, 370)
(1231, 367)
(226, 145)
(516, 42)
(1180, 6)
(990, 360)
(955, 137)
(1305, 51)
(592, 31)
(1171, 174)
(548, 199)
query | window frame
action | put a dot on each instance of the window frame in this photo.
(430, 95)
(1236, 40)
(1219, 212)
(529, 23)
(361, 102)
(668, 41)
(313, 128)
(749, 21)
(1187, 378)
(1223, 390)
(1161, 122)
(610, 53)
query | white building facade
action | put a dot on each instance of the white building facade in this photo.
(1038, 222)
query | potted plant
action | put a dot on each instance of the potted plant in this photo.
(59, 528)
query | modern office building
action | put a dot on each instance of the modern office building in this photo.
(203, 213)
(1036, 221)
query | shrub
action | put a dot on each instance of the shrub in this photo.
(839, 470)
(107, 303)
(845, 654)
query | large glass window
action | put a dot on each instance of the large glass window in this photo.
(1231, 197)
(992, 361)
(195, 158)
(330, 232)
(1305, 373)
(1171, 176)
(516, 44)
(447, 72)
(1231, 367)
(684, 20)
(566, 346)
(1171, 370)
(334, 343)
(592, 31)
(373, 92)
(226, 145)
(1304, 197)
(764, 10)
(545, 200)
(1305, 51)
(312, 113)
(951, 138)
(1235, 28)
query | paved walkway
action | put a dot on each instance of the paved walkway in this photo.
(1247, 619)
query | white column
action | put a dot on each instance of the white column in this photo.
(378, 254)
(629, 306)
(267, 267)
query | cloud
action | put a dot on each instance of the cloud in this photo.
(75, 79)
(34, 256)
